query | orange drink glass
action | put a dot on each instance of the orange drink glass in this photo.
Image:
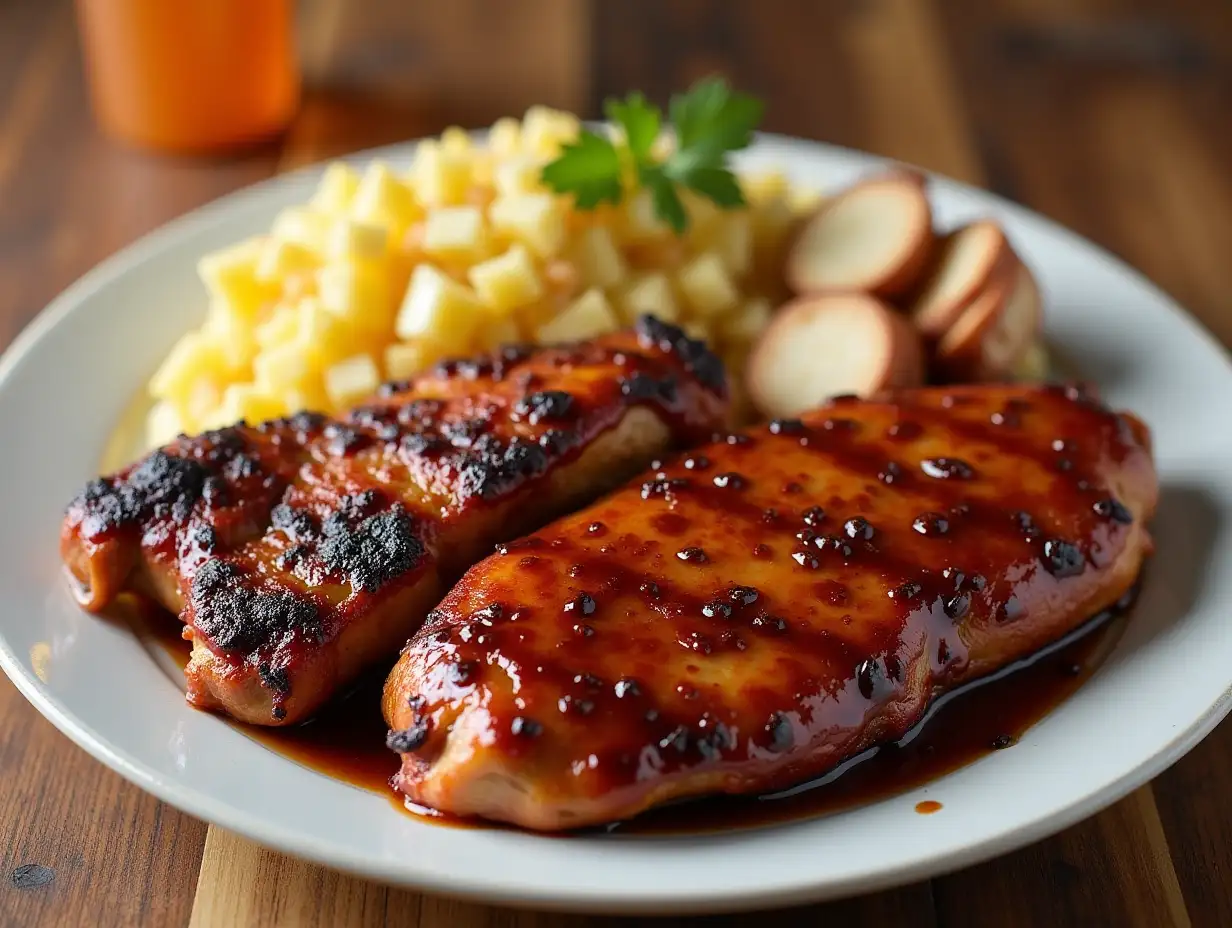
(191, 75)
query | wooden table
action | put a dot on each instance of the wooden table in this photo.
(1112, 116)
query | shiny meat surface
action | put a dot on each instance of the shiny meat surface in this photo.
(758, 610)
(299, 551)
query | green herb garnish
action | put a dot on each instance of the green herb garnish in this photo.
(709, 121)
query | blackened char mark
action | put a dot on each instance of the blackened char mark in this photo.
(370, 551)
(296, 429)
(274, 678)
(491, 468)
(161, 486)
(169, 483)
(641, 387)
(554, 405)
(299, 524)
(698, 360)
(242, 614)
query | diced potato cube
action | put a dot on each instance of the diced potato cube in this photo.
(505, 137)
(322, 335)
(381, 199)
(771, 221)
(744, 325)
(305, 396)
(245, 401)
(281, 367)
(351, 238)
(193, 358)
(507, 281)
(404, 360)
(535, 219)
(587, 316)
(598, 258)
(503, 330)
(442, 178)
(764, 186)
(281, 328)
(641, 223)
(517, 175)
(358, 292)
(732, 240)
(296, 286)
(281, 257)
(562, 279)
(650, 293)
(702, 211)
(231, 275)
(665, 254)
(199, 404)
(232, 333)
(163, 425)
(454, 233)
(531, 318)
(336, 189)
(706, 286)
(302, 226)
(545, 129)
(352, 380)
(456, 139)
(483, 169)
(439, 308)
(804, 201)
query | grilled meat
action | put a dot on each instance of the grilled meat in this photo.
(763, 608)
(299, 551)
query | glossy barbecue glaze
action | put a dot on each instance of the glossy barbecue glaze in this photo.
(755, 612)
(300, 550)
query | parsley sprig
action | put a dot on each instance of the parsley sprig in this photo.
(709, 121)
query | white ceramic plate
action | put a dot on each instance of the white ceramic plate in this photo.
(68, 377)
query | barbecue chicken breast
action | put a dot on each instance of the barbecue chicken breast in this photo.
(300, 551)
(750, 614)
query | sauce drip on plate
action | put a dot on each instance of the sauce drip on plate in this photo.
(347, 741)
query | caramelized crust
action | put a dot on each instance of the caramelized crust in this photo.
(751, 614)
(299, 551)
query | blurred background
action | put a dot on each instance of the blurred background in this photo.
(1111, 116)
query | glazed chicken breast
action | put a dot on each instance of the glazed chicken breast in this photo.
(754, 612)
(300, 551)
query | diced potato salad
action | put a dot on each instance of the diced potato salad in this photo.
(387, 270)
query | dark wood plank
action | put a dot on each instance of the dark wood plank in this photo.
(76, 838)
(1111, 118)
(790, 58)
(1195, 809)
(243, 884)
(1103, 115)
(385, 71)
(860, 74)
(1113, 869)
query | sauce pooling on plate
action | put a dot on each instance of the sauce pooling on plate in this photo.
(347, 741)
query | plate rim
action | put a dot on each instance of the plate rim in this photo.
(207, 807)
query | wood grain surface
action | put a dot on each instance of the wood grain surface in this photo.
(1112, 116)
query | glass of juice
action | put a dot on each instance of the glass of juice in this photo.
(191, 76)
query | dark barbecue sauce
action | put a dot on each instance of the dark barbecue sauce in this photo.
(347, 740)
